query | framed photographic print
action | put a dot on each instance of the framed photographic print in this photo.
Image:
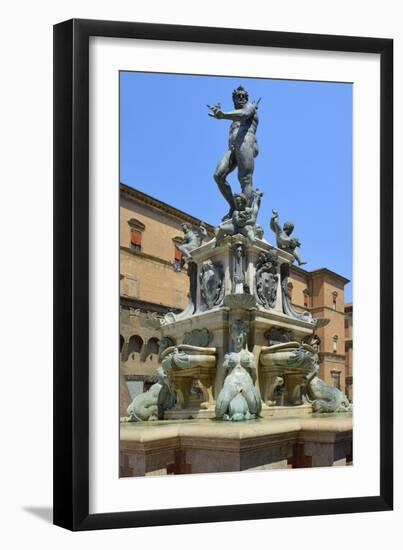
(223, 274)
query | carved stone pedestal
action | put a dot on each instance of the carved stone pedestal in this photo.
(237, 282)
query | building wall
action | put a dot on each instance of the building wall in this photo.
(348, 336)
(147, 274)
(159, 231)
(148, 283)
(151, 280)
(328, 301)
(296, 287)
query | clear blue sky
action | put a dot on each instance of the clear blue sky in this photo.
(169, 149)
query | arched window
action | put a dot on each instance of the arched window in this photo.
(153, 348)
(334, 304)
(134, 346)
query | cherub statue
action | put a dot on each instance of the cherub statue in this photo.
(192, 239)
(243, 219)
(284, 239)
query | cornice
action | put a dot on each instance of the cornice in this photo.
(318, 272)
(135, 195)
(327, 308)
(145, 306)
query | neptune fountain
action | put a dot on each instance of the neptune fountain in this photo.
(239, 352)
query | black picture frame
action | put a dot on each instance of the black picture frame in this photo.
(71, 274)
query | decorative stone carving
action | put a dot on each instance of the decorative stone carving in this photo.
(152, 404)
(186, 366)
(193, 239)
(175, 359)
(238, 398)
(324, 398)
(289, 310)
(301, 359)
(211, 284)
(240, 301)
(155, 320)
(283, 237)
(243, 218)
(266, 279)
(239, 331)
(198, 337)
(238, 269)
(278, 335)
(240, 297)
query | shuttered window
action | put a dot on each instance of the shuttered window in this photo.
(136, 240)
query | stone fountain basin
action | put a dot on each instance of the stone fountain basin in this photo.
(278, 355)
(198, 356)
(276, 369)
(199, 368)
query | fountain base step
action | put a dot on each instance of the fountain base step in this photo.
(286, 410)
(267, 412)
(206, 446)
(189, 414)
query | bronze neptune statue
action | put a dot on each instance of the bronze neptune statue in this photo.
(242, 146)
